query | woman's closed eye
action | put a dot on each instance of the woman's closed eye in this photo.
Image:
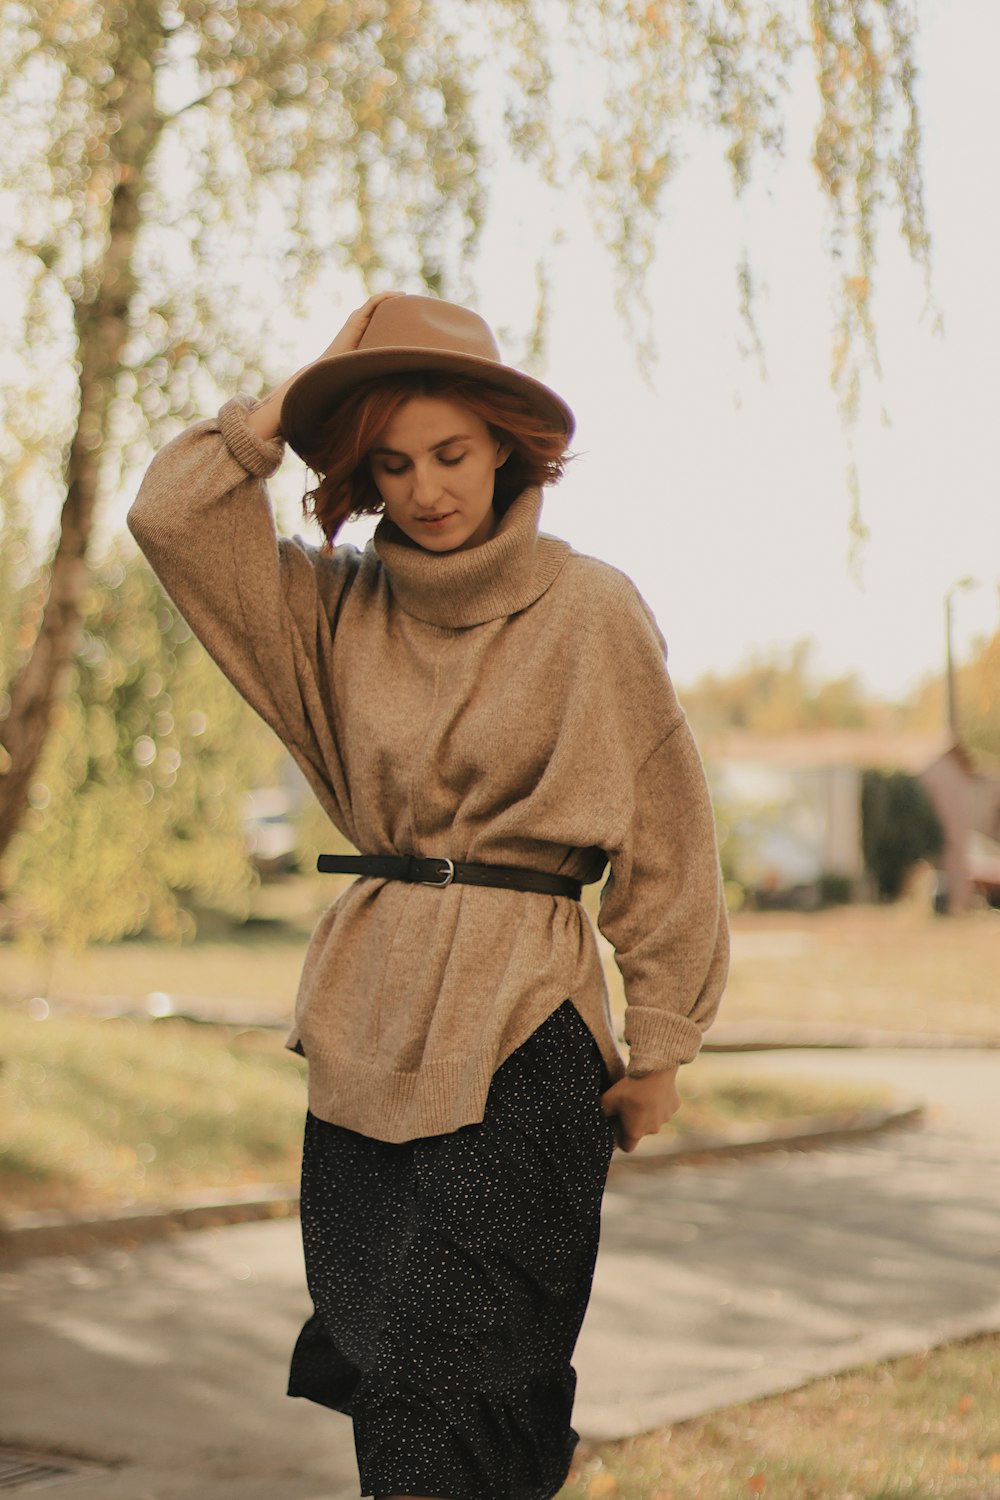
(450, 462)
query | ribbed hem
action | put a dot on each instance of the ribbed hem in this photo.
(252, 452)
(442, 1096)
(659, 1039)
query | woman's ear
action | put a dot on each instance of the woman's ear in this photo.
(504, 451)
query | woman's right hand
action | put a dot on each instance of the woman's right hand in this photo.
(265, 419)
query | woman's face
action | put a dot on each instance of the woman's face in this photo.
(434, 464)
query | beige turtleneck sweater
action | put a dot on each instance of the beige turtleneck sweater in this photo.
(504, 705)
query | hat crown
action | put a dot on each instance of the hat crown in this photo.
(406, 336)
(427, 323)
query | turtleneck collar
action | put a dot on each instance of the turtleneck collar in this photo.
(458, 589)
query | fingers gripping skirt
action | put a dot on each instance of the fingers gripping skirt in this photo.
(450, 1276)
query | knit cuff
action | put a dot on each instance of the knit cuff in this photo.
(250, 451)
(658, 1039)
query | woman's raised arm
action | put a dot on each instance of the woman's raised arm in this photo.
(266, 418)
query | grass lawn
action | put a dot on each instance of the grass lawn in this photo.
(100, 1112)
(896, 967)
(919, 1428)
(888, 967)
(249, 977)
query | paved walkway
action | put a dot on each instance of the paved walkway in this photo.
(714, 1284)
(722, 1283)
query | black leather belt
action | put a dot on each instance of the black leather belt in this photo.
(442, 872)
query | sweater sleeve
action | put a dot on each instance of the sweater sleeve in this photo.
(259, 604)
(662, 907)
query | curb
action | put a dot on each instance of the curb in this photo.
(759, 1036)
(807, 1133)
(30, 1236)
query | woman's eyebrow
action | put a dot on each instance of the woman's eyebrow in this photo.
(458, 437)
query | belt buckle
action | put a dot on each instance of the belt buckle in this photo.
(449, 872)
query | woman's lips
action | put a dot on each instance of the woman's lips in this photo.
(435, 520)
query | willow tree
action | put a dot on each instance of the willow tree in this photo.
(152, 148)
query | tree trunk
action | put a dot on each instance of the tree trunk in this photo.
(101, 317)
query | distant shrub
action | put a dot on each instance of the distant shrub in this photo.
(898, 827)
(835, 889)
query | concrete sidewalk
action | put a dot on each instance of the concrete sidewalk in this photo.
(714, 1284)
(721, 1284)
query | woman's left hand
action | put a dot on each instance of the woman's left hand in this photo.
(640, 1106)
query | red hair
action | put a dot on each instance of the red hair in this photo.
(343, 442)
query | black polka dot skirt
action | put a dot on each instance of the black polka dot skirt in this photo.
(450, 1276)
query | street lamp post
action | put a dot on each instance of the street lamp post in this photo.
(956, 588)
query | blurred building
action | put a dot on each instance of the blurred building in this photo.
(793, 802)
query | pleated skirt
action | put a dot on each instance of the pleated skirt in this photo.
(450, 1275)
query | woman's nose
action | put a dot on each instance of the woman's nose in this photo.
(426, 486)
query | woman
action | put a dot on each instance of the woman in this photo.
(487, 716)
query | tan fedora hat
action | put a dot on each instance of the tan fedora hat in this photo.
(409, 334)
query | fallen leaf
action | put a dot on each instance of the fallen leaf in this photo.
(965, 1403)
(993, 1463)
(601, 1486)
(957, 1466)
(756, 1483)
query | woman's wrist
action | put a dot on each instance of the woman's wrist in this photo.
(265, 419)
(654, 1073)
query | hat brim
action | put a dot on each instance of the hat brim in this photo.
(315, 394)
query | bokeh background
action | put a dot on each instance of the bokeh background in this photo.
(753, 245)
